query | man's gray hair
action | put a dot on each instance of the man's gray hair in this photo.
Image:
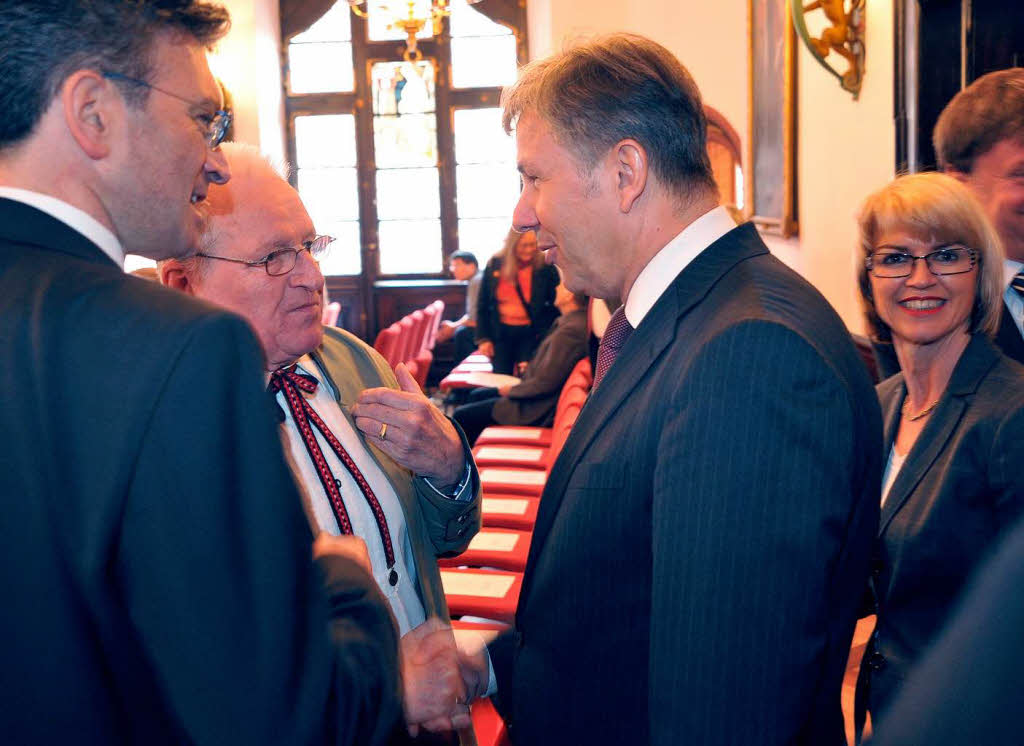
(243, 159)
(597, 93)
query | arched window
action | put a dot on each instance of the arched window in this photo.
(404, 161)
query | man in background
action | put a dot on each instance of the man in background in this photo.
(155, 560)
(372, 456)
(979, 139)
(464, 267)
(703, 539)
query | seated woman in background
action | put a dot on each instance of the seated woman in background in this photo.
(533, 400)
(954, 417)
(516, 306)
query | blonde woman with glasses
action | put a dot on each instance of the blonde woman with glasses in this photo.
(930, 280)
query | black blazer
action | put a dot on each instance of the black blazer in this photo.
(1008, 339)
(703, 540)
(960, 488)
(967, 689)
(542, 310)
(533, 401)
(154, 555)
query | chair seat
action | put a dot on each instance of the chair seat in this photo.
(506, 454)
(512, 434)
(513, 480)
(500, 510)
(505, 549)
(488, 593)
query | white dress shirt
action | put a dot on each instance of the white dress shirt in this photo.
(405, 602)
(666, 265)
(72, 217)
(1014, 302)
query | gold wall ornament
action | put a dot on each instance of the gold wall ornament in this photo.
(843, 35)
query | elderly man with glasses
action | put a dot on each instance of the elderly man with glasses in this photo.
(372, 456)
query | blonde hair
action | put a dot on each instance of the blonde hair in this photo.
(509, 262)
(938, 208)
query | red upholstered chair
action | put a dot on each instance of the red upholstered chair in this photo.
(421, 355)
(438, 314)
(499, 510)
(505, 549)
(407, 342)
(519, 455)
(580, 379)
(387, 343)
(330, 314)
(492, 594)
(487, 725)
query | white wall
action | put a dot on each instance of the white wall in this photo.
(845, 147)
(248, 61)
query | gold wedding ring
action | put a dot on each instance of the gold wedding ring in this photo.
(383, 431)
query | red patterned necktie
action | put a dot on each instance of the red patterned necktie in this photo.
(615, 336)
(305, 417)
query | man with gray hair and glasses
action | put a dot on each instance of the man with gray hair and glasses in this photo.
(158, 581)
(372, 456)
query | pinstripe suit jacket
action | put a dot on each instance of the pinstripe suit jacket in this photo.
(704, 538)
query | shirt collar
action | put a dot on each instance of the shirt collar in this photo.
(666, 265)
(72, 217)
(1010, 270)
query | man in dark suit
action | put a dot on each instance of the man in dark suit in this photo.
(158, 584)
(979, 139)
(703, 540)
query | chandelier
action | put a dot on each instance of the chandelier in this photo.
(414, 20)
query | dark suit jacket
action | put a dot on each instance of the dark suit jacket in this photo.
(542, 308)
(703, 540)
(532, 402)
(437, 527)
(154, 556)
(960, 488)
(1008, 339)
(967, 689)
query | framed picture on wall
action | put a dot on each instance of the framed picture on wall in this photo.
(771, 145)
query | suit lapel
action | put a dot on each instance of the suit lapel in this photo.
(974, 364)
(656, 332)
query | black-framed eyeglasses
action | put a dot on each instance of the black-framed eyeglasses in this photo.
(893, 261)
(216, 124)
(281, 261)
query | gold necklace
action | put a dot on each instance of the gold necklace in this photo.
(923, 413)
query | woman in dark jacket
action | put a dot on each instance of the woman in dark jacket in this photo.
(516, 306)
(931, 282)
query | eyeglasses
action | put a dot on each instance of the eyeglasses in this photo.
(889, 261)
(281, 261)
(216, 124)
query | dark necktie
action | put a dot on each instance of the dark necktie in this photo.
(1017, 283)
(615, 336)
(305, 417)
